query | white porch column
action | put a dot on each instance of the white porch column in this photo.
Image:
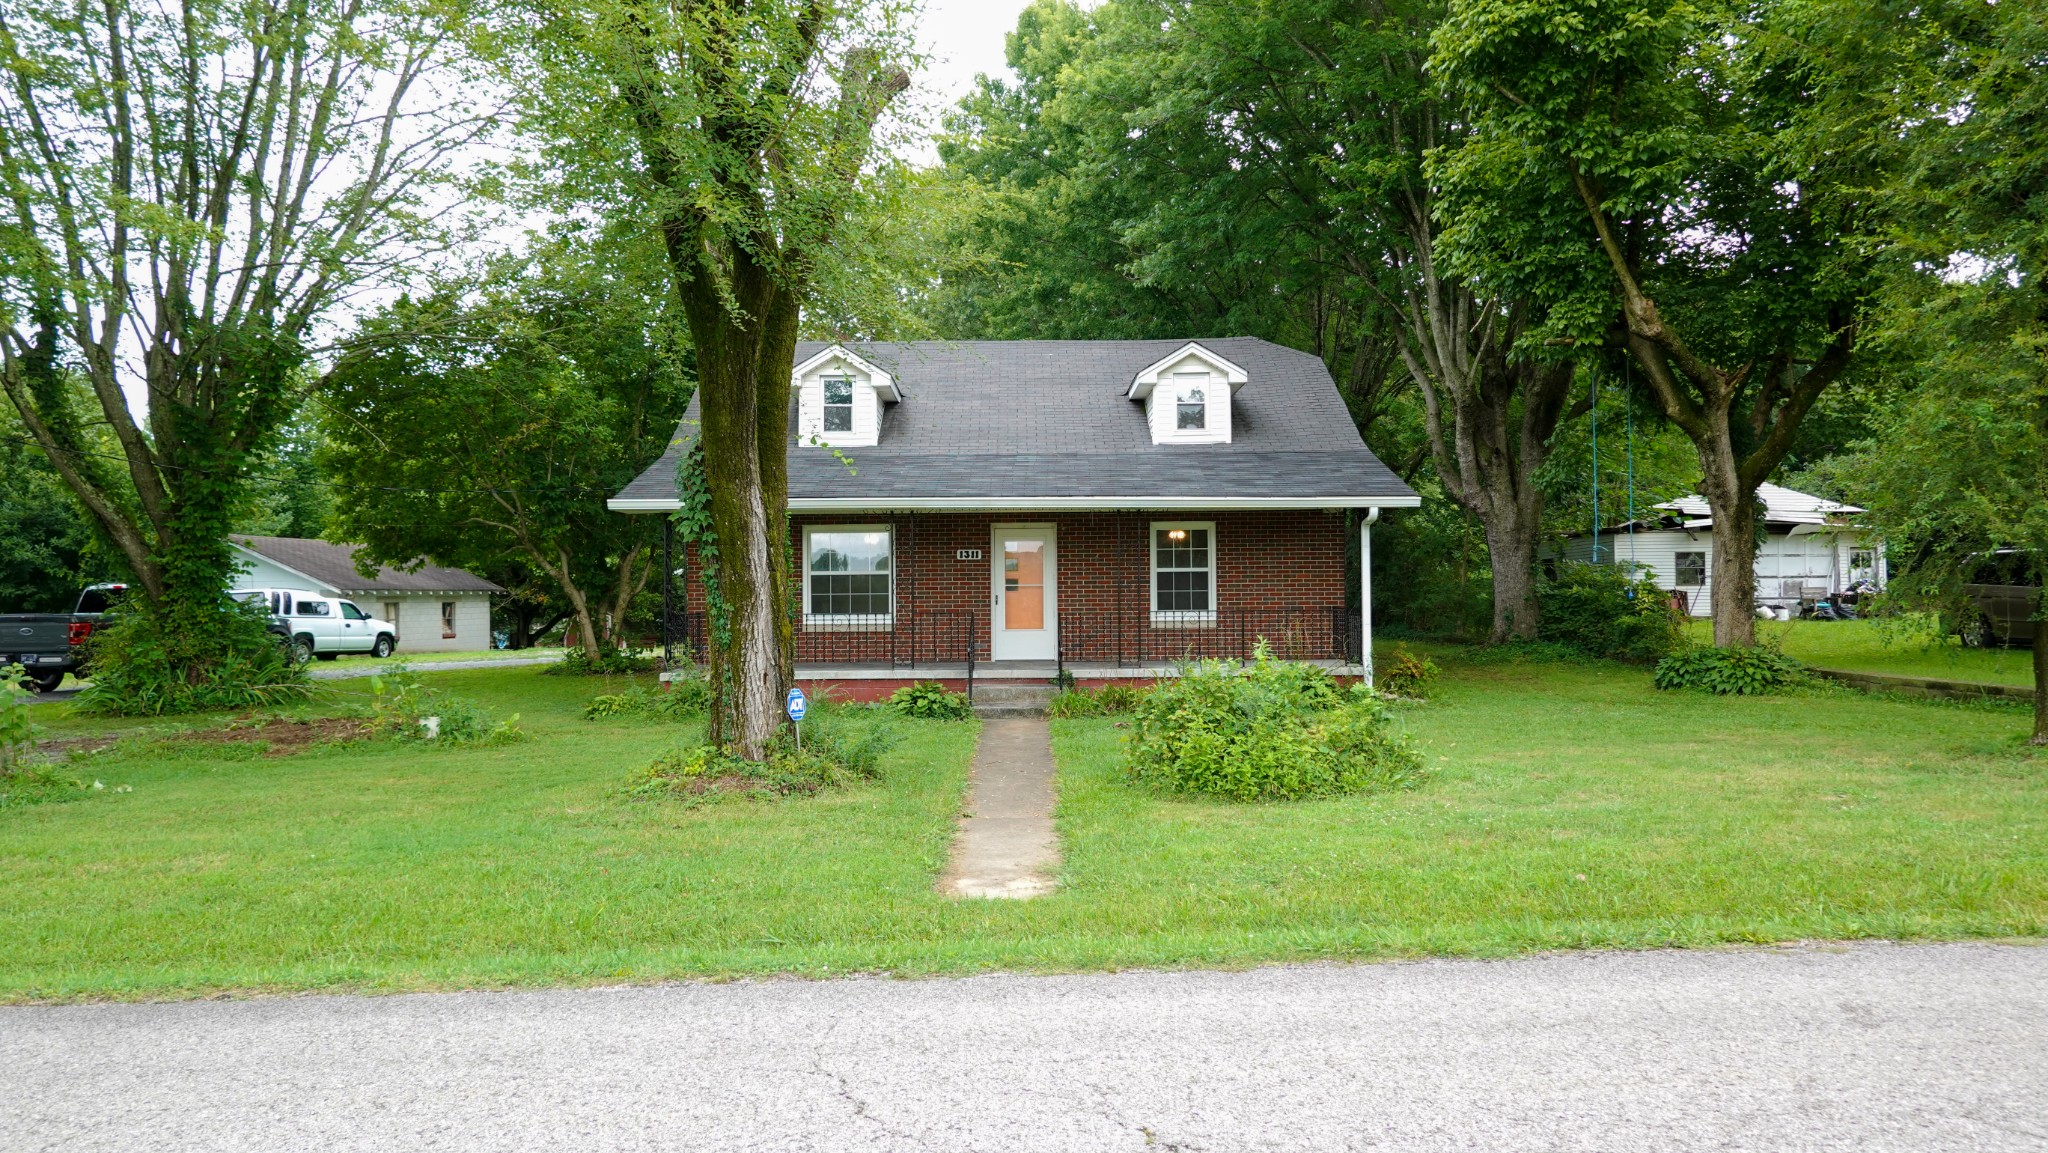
(1365, 591)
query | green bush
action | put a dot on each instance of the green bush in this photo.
(930, 701)
(839, 749)
(1599, 611)
(1270, 730)
(145, 665)
(680, 700)
(403, 708)
(1406, 674)
(1730, 672)
(610, 662)
(1108, 701)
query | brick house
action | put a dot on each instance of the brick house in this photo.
(1010, 509)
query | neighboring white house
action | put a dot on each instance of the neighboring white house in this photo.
(1813, 548)
(436, 609)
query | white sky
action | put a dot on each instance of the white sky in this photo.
(962, 37)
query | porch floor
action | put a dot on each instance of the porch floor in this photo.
(1011, 670)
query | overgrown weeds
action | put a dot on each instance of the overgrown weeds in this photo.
(1601, 611)
(1406, 674)
(144, 665)
(610, 662)
(402, 708)
(840, 748)
(1107, 701)
(1270, 730)
(680, 700)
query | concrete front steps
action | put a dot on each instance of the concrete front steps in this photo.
(1011, 698)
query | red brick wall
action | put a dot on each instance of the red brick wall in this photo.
(1278, 574)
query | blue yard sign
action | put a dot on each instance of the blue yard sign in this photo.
(797, 704)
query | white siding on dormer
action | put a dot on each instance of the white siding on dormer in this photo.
(1162, 404)
(810, 408)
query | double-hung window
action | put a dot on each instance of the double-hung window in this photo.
(1184, 573)
(838, 404)
(848, 577)
(1191, 401)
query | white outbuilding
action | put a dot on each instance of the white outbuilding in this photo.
(436, 608)
(1813, 548)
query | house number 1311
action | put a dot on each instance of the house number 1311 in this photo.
(968, 554)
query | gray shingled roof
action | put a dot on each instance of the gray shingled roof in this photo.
(334, 566)
(1022, 420)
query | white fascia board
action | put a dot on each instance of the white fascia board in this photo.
(1141, 385)
(880, 380)
(1049, 503)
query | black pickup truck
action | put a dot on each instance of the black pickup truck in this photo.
(48, 645)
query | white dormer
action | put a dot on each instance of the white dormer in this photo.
(839, 399)
(1187, 396)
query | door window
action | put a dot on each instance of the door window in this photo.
(1023, 584)
(351, 612)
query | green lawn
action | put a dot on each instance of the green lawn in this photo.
(1571, 806)
(1890, 647)
(472, 655)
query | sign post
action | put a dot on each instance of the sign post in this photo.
(797, 705)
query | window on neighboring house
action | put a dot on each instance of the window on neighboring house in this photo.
(447, 620)
(1191, 402)
(1184, 573)
(847, 576)
(390, 611)
(838, 404)
(1692, 569)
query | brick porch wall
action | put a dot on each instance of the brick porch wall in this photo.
(1267, 563)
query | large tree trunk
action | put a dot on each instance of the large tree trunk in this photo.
(2040, 677)
(1735, 508)
(1511, 546)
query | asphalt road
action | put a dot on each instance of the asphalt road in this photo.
(1871, 1047)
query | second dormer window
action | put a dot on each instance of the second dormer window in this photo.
(1191, 407)
(838, 404)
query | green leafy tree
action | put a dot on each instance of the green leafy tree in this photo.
(48, 546)
(1955, 95)
(744, 135)
(187, 190)
(1663, 176)
(485, 426)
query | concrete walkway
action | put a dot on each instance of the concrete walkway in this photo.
(1855, 1048)
(1006, 846)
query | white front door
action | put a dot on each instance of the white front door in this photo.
(1026, 616)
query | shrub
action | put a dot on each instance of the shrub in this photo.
(403, 708)
(1406, 675)
(837, 751)
(609, 662)
(930, 701)
(1107, 701)
(1270, 730)
(681, 699)
(1730, 672)
(1600, 611)
(144, 664)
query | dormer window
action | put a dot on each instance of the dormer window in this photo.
(840, 395)
(1187, 396)
(838, 404)
(1191, 406)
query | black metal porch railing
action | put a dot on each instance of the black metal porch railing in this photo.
(1295, 632)
(1124, 640)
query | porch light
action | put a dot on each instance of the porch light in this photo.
(1176, 534)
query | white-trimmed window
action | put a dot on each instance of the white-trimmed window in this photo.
(1690, 569)
(1184, 573)
(849, 576)
(838, 407)
(1190, 401)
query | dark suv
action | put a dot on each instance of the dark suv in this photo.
(2005, 590)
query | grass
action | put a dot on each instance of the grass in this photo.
(1899, 647)
(1571, 806)
(418, 656)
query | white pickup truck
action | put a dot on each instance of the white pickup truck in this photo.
(324, 626)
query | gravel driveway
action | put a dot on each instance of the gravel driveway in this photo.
(1868, 1047)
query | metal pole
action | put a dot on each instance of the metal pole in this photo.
(1594, 377)
(668, 584)
(1365, 592)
